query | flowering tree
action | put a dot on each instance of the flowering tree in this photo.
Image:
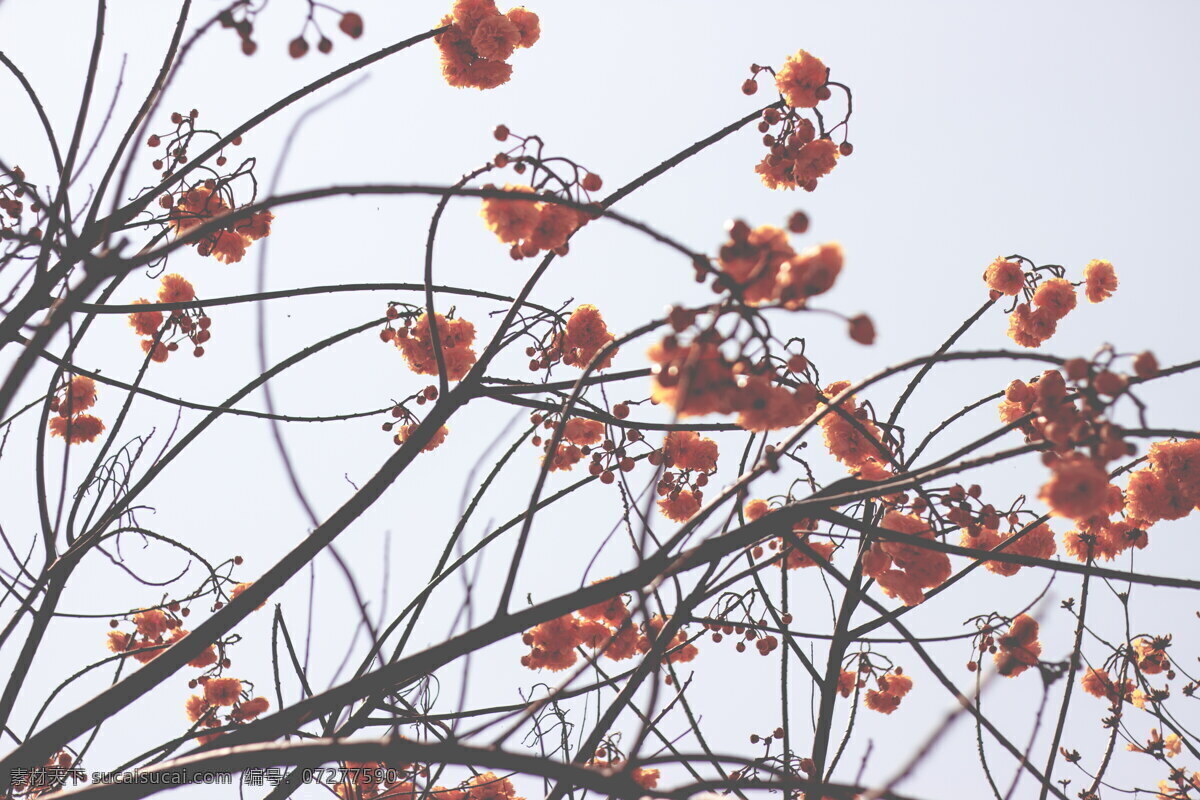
(720, 508)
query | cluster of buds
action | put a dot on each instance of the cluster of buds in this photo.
(698, 378)
(801, 151)
(958, 505)
(12, 189)
(409, 421)
(1150, 655)
(1015, 650)
(575, 344)
(1045, 413)
(582, 438)
(154, 629)
(766, 739)
(212, 200)
(349, 23)
(689, 460)
(51, 776)
(163, 334)
(765, 643)
(790, 556)
(530, 226)
(240, 19)
(223, 702)
(892, 687)
(759, 266)
(174, 146)
(399, 321)
(787, 763)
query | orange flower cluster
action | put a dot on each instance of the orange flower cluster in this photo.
(1152, 655)
(1032, 323)
(154, 630)
(1045, 398)
(1036, 543)
(553, 643)
(694, 379)
(797, 157)
(1105, 539)
(605, 625)
(583, 337)
(858, 446)
(848, 682)
(902, 569)
(679, 650)
(530, 227)
(67, 419)
(1100, 281)
(479, 41)
(1097, 683)
(697, 379)
(1170, 487)
(687, 450)
(793, 557)
(578, 435)
(236, 592)
(799, 162)
(763, 265)
(193, 324)
(1079, 487)
(435, 441)
(801, 79)
(1019, 649)
(642, 776)
(764, 405)
(1005, 277)
(1052, 301)
(680, 505)
(892, 688)
(220, 693)
(489, 786)
(416, 343)
(1172, 746)
(202, 203)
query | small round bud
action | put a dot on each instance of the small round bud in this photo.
(351, 24)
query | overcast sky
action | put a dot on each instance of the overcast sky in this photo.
(1063, 132)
